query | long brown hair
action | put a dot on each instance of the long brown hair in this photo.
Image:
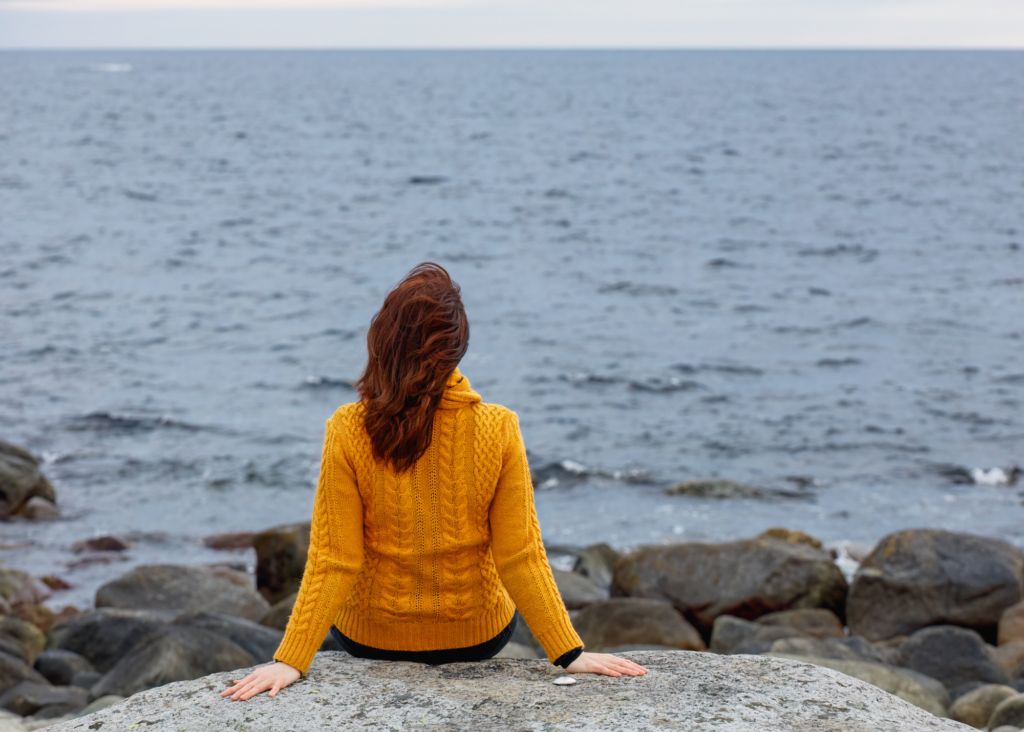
(414, 344)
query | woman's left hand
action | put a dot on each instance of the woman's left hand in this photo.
(275, 677)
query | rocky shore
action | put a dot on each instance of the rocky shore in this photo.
(931, 617)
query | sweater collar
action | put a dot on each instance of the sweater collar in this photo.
(458, 392)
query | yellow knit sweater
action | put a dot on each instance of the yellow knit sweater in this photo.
(437, 557)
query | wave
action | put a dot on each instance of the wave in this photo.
(108, 422)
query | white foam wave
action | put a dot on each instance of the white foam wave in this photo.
(112, 68)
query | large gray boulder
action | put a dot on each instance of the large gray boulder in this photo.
(173, 653)
(736, 635)
(576, 590)
(281, 560)
(630, 621)
(20, 480)
(954, 656)
(912, 687)
(684, 691)
(258, 641)
(917, 578)
(745, 579)
(185, 589)
(106, 636)
(597, 562)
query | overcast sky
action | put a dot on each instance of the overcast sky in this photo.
(511, 24)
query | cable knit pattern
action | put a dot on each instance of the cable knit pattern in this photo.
(437, 557)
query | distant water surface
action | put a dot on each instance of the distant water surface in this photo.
(800, 271)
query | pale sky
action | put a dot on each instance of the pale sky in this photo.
(125, 24)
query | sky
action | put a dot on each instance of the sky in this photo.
(145, 24)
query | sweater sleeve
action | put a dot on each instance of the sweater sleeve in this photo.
(519, 553)
(334, 560)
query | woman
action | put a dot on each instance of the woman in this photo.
(424, 538)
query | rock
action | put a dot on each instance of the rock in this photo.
(20, 588)
(951, 655)
(746, 579)
(1006, 728)
(25, 635)
(172, 653)
(59, 666)
(55, 583)
(918, 578)
(720, 489)
(233, 575)
(38, 508)
(186, 589)
(20, 479)
(684, 691)
(814, 622)
(13, 671)
(576, 590)
(86, 679)
(524, 636)
(597, 562)
(9, 725)
(106, 636)
(102, 703)
(13, 649)
(1009, 712)
(280, 612)
(40, 616)
(232, 540)
(634, 621)
(734, 635)
(281, 560)
(1010, 657)
(100, 544)
(839, 649)
(517, 650)
(791, 537)
(914, 688)
(258, 641)
(1011, 624)
(975, 708)
(28, 697)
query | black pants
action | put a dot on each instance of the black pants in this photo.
(479, 652)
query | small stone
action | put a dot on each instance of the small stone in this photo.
(230, 540)
(38, 508)
(564, 681)
(720, 489)
(975, 707)
(791, 536)
(1009, 712)
(55, 583)
(99, 544)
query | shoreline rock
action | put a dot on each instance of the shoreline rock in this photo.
(685, 691)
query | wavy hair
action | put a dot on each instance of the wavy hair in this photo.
(414, 344)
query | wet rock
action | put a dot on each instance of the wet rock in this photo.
(1010, 657)
(791, 537)
(100, 544)
(814, 622)
(597, 562)
(840, 649)
(685, 691)
(975, 707)
(38, 508)
(1009, 712)
(20, 480)
(914, 688)
(172, 653)
(732, 635)
(231, 540)
(20, 588)
(576, 590)
(106, 636)
(951, 655)
(28, 697)
(720, 489)
(258, 641)
(1011, 624)
(280, 560)
(185, 589)
(745, 579)
(917, 578)
(13, 671)
(634, 621)
(59, 666)
(25, 635)
(279, 613)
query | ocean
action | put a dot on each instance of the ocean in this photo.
(800, 271)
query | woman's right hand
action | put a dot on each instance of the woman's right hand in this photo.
(604, 663)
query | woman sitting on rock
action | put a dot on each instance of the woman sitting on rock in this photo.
(424, 538)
